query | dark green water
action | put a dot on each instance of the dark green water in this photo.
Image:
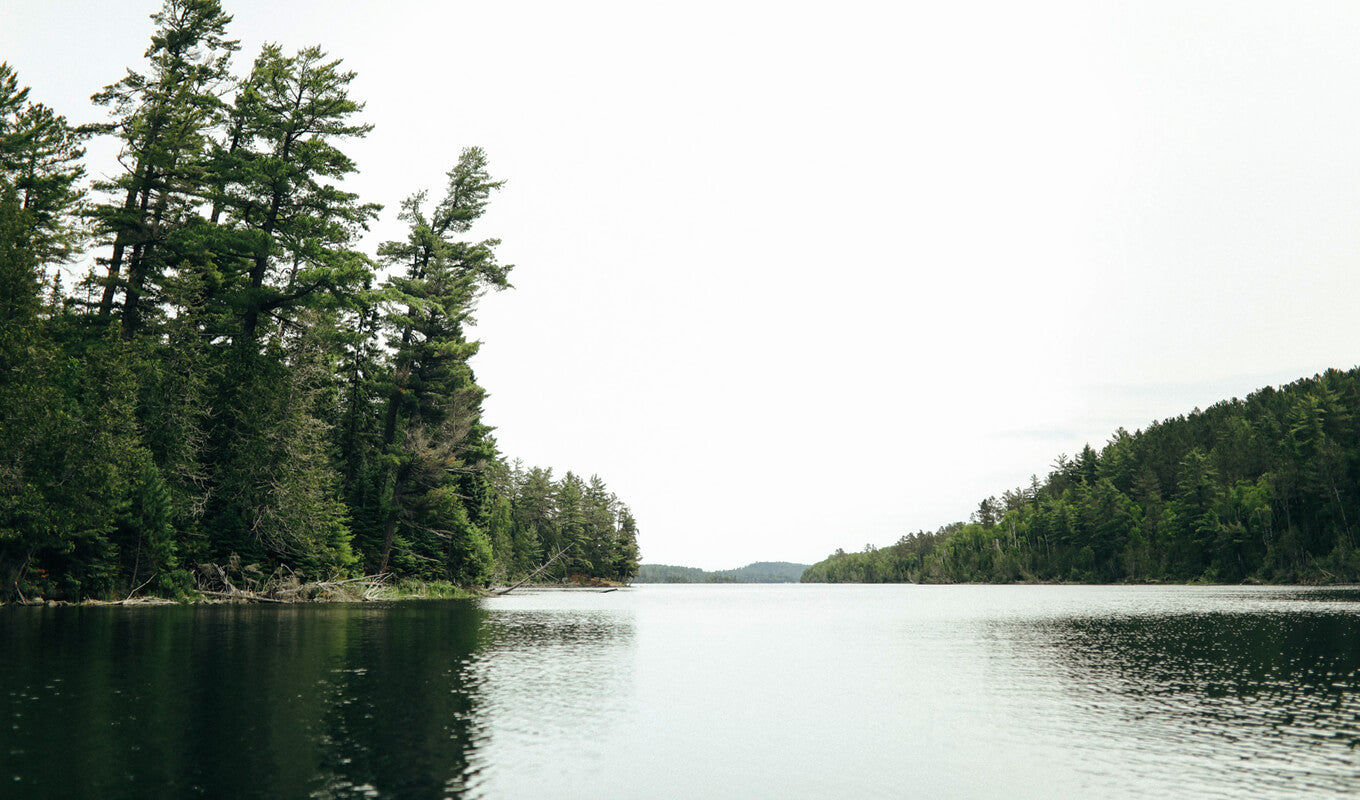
(235, 701)
(694, 691)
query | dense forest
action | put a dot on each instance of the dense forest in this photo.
(228, 378)
(1261, 489)
(757, 572)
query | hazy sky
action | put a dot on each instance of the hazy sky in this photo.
(796, 276)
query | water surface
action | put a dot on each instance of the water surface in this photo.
(694, 691)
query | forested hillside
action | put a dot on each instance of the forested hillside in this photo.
(1258, 489)
(234, 379)
(757, 572)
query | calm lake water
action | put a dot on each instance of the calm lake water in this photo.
(694, 692)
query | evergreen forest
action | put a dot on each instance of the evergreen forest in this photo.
(756, 572)
(200, 365)
(1265, 489)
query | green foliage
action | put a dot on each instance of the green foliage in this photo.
(758, 572)
(163, 119)
(1261, 489)
(500, 532)
(668, 573)
(411, 589)
(276, 181)
(235, 388)
(39, 164)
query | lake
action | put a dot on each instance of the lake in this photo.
(706, 691)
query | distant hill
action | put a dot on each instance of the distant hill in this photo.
(758, 572)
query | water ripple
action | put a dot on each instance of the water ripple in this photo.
(1266, 702)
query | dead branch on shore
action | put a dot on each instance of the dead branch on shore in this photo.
(284, 585)
(532, 575)
(131, 601)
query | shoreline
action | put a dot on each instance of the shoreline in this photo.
(445, 592)
(373, 592)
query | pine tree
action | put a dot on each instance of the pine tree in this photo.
(69, 453)
(626, 556)
(163, 119)
(286, 237)
(432, 434)
(277, 185)
(229, 396)
(40, 162)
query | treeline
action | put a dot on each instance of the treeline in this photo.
(534, 517)
(1261, 489)
(757, 572)
(233, 379)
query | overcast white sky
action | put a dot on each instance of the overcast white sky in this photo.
(798, 276)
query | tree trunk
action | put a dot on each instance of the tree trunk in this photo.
(116, 259)
(390, 527)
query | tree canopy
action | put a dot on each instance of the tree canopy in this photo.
(1256, 489)
(236, 381)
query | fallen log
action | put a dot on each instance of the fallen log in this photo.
(249, 597)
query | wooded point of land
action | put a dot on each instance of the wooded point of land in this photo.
(233, 381)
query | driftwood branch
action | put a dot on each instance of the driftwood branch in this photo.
(533, 574)
(143, 586)
(249, 597)
(284, 586)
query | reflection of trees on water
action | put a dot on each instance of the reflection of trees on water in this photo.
(241, 702)
(401, 720)
(518, 630)
(1264, 699)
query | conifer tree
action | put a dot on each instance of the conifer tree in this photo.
(229, 397)
(40, 163)
(626, 555)
(72, 470)
(435, 445)
(278, 180)
(295, 267)
(163, 120)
